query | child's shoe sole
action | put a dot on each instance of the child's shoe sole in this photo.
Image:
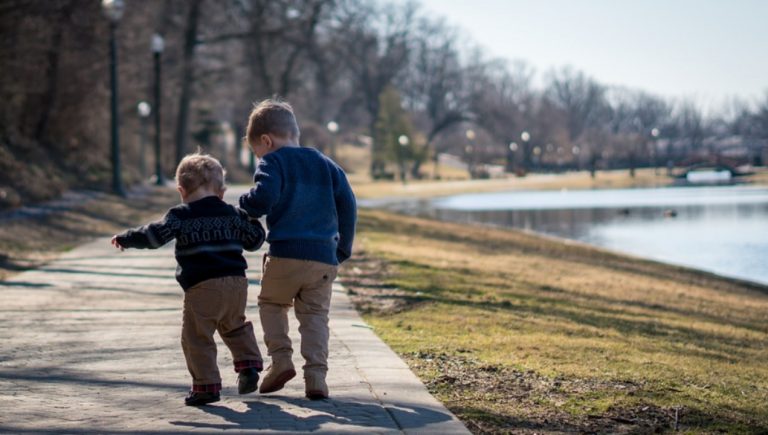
(316, 395)
(199, 399)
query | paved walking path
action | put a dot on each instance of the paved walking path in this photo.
(90, 344)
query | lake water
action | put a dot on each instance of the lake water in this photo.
(718, 229)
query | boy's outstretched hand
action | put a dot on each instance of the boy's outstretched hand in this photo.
(116, 244)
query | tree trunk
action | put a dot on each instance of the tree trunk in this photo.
(187, 77)
(51, 79)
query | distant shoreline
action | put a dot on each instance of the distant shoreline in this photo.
(617, 179)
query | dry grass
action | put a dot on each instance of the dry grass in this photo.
(512, 330)
(364, 188)
(30, 237)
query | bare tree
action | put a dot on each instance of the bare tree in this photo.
(583, 101)
(501, 103)
(377, 51)
(690, 127)
(436, 83)
(187, 76)
(633, 117)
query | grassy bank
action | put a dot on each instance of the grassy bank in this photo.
(517, 332)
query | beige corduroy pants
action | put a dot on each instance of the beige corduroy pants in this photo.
(306, 285)
(217, 305)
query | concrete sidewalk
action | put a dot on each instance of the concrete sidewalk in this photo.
(90, 344)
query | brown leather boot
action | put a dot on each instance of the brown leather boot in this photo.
(277, 374)
(315, 387)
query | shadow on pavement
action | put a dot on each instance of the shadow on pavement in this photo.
(24, 284)
(272, 416)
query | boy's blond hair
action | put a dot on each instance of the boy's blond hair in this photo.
(198, 170)
(272, 116)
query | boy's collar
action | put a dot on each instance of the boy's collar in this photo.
(193, 198)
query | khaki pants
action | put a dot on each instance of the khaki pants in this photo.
(307, 285)
(217, 305)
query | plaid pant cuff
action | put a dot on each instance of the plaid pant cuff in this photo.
(247, 364)
(206, 388)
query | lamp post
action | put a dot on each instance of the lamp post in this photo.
(575, 150)
(469, 151)
(511, 157)
(403, 141)
(536, 156)
(525, 137)
(144, 110)
(113, 9)
(655, 137)
(333, 127)
(157, 49)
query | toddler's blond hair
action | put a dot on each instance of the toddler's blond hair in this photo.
(199, 170)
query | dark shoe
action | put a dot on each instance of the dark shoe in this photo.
(315, 388)
(198, 398)
(316, 395)
(247, 380)
(280, 372)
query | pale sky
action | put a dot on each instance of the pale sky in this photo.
(706, 50)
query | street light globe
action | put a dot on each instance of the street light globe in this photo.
(513, 146)
(333, 127)
(144, 109)
(575, 150)
(655, 132)
(292, 13)
(113, 9)
(525, 136)
(158, 43)
(471, 134)
(403, 140)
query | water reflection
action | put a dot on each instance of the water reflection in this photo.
(723, 230)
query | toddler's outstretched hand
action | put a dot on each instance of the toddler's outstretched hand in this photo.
(116, 244)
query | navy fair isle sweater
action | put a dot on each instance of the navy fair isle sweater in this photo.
(309, 204)
(210, 237)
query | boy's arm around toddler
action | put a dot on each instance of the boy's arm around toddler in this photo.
(253, 234)
(260, 199)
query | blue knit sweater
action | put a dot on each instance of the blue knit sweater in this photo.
(310, 207)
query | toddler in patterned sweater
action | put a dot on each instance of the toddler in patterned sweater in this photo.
(210, 237)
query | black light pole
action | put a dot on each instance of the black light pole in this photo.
(403, 141)
(654, 142)
(526, 137)
(157, 49)
(512, 148)
(333, 127)
(144, 110)
(469, 152)
(113, 9)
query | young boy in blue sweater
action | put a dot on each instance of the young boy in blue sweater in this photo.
(311, 213)
(210, 237)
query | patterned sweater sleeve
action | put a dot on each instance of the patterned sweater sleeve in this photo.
(253, 233)
(152, 235)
